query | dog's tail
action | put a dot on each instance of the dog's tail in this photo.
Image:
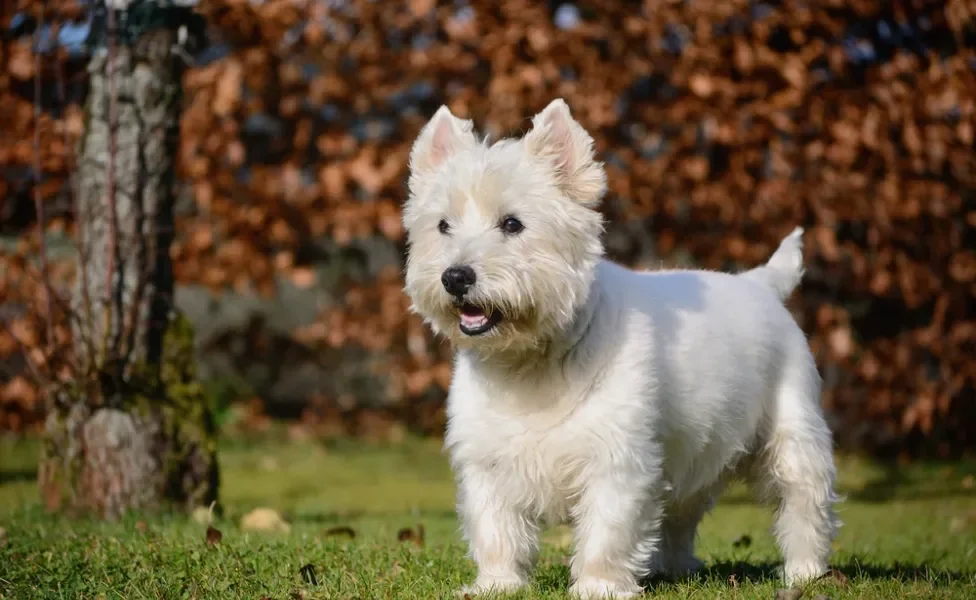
(784, 270)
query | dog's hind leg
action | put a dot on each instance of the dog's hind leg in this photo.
(675, 557)
(797, 467)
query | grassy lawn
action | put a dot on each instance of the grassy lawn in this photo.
(909, 533)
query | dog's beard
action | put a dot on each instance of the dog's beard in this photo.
(490, 329)
(505, 313)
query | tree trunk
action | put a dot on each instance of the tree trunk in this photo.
(132, 431)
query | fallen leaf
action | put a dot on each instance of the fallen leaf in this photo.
(743, 542)
(201, 515)
(733, 581)
(406, 534)
(308, 574)
(21, 64)
(264, 519)
(3, 537)
(141, 526)
(968, 482)
(213, 536)
(838, 577)
(701, 85)
(342, 530)
(789, 594)
(204, 514)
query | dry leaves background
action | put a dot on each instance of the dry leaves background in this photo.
(723, 125)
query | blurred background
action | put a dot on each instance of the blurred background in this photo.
(723, 125)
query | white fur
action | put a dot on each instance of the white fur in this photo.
(619, 401)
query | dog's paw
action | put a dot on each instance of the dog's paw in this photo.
(594, 588)
(491, 585)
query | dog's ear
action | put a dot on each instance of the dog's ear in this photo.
(558, 138)
(442, 137)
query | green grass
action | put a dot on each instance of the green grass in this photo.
(909, 533)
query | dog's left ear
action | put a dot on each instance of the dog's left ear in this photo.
(559, 139)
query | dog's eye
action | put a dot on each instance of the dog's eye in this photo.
(443, 227)
(512, 225)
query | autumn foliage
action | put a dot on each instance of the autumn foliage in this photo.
(723, 125)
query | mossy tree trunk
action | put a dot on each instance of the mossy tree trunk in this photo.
(132, 430)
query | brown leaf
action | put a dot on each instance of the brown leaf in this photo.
(409, 535)
(228, 90)
(141, 526)
(303, 277)
(420, 8)
(701, 85)
(21, 63)
(213, 536)
(838, 577)
(342, 530)
(733, 581)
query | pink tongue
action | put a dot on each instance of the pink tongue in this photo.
(473, 321)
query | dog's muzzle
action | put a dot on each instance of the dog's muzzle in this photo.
(473, 319)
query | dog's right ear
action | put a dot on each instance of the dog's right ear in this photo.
(442, 137)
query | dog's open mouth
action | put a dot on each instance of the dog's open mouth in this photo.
(475, 321)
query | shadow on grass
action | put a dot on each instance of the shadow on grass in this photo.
(930, 481)
(898, 482)
(556, 577)
(17, 475)
(874, 493)
(341, 517)
(854, 570)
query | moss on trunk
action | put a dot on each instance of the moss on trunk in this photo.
(156, 451)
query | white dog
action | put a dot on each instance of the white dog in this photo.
(621, 402)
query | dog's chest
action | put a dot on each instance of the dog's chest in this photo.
(538, 461)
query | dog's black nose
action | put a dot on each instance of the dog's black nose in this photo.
(457, 280)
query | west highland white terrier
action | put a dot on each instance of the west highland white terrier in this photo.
(621, 402)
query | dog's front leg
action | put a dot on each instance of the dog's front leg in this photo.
(617, 530)
(503, 539)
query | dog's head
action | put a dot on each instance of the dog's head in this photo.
(503, 237)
